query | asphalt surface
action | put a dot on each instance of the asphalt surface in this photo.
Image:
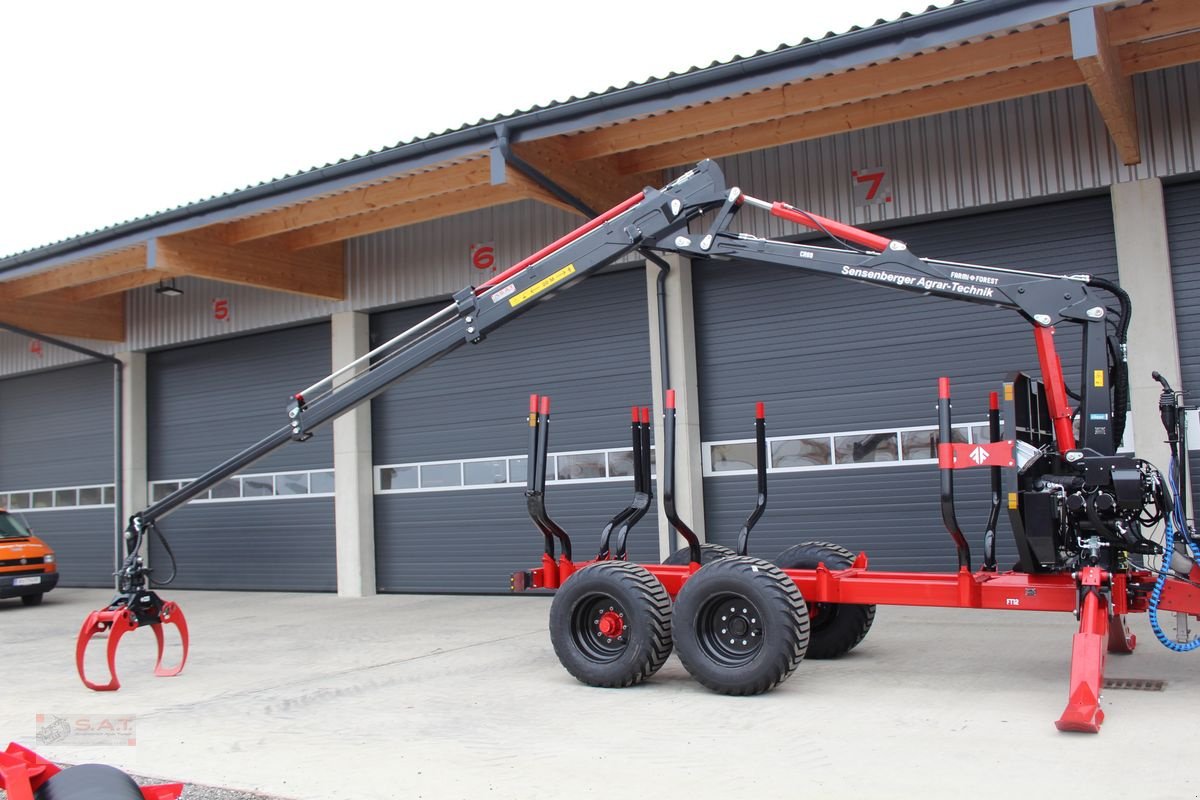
(311, 696)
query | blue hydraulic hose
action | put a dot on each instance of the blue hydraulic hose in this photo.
(1175, 522)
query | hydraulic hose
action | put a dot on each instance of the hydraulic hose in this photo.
(1175, 522)
(1119, 370)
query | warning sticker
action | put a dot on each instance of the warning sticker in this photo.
(1098, 378)
(542, 285)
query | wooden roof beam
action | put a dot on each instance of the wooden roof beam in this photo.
(1111, 88)
(404, 189)
(319, 272)
(979, 58)
(398, 216)
(893, 108)
(597, 182)
(121, 262)
(102, 318)
(116, 285)
(975, 59)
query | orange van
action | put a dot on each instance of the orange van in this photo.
(27, 565)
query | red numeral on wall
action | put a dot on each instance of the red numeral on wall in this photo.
(483, 256)
(220, 309)
(35, 347)
(874, 178)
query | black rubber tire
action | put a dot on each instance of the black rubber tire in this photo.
(33, 599)
(89, 782)
(708, 554)
(644, 608)
(767, 606)
(837, 628)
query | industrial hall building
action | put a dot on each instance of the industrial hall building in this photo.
(1061, 136)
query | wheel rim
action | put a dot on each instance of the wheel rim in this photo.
(729, 629)
(600, 628)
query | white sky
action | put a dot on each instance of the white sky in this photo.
(114, 110)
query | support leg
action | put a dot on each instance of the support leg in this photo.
(1088, 650)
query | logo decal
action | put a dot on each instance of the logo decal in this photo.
(979, 455)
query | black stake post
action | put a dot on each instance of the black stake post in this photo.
(760, 503)
(946, 470)
(635, 429)
(535, 477)
(668, 487)
(643, 494)
(989, 534)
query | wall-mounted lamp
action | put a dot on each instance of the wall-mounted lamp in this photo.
(168, 288)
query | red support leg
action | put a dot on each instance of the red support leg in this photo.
(1088, 649)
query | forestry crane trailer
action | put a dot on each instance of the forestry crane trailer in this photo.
(1080, 512)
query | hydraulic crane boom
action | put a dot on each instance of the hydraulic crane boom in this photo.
(659, 220)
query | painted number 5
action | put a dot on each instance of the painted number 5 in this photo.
(220, 308)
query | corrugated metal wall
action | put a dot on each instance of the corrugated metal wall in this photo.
(589, 350)
(1048, 144)
(207, 402)
(1183, 232)
(57, 431)
(829, 355)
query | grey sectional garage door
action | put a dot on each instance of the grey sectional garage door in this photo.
(859, 362)
(588, 349)
(1183, 233)
(57, 449)
(272, 528)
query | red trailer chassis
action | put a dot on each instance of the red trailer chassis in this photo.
(1099, 599)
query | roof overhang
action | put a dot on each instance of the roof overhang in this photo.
(594, 152)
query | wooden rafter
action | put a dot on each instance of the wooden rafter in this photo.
(117, 263)
(407, 214)
(116, 285)
(1110, 86)
(266, 265)
(102, 318)
(1020, 49)
(1023, 48)
(596, 182)
(893, 108)
(1170, 51)
(404, 189)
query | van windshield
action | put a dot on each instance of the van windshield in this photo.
(11, 527)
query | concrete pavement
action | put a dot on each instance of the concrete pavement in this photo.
(312, 696)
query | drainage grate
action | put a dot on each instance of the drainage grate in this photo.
(1138, 684)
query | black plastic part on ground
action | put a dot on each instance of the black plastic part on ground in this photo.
(89, 782)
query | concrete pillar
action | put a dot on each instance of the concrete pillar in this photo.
(681, 362)
(354, 509)
(1145, 269)
(135, 476)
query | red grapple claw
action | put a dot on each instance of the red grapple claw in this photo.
(126, 613)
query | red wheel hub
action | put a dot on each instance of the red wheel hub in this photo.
(611, 624)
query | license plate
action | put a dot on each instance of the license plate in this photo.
(30, 581)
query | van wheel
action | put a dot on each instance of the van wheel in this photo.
(33, 599)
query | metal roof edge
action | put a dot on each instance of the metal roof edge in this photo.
(919, 31)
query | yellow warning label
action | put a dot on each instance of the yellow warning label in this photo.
(1098, 378)
(1008, 392)
(542, 285)
(1012, 499)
